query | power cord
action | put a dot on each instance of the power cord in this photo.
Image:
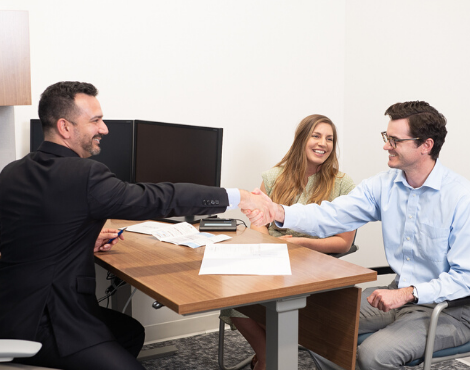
(116, 283)
(241, 222)
(128, 301)
(315, 362)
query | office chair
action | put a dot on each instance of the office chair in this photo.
(431, 357)
(246, 361)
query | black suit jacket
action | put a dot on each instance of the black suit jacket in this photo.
(53, 205)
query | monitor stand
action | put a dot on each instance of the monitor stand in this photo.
(188, 219)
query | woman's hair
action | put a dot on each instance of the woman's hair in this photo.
(291, 182)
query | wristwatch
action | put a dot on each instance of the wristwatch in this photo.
(415, 294)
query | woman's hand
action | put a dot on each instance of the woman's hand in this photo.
(291, 239)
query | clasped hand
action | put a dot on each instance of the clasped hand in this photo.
(258, 207)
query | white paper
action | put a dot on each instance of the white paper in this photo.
(146, 227)
(246, 259)
(174, 230)
(198, 240)
(186, 234)
(181, 233)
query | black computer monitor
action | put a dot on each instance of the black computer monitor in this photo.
(168, 152)
(117, 148)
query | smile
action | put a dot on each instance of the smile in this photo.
(319, 151)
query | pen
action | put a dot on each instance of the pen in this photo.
(119, 233)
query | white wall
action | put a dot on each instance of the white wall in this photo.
(400, 51)
(256, 68)
(7, 136)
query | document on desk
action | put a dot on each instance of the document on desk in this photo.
(181, 233)
(186, 234)
(147, 227)
(246, 259)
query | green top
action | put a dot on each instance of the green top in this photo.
(343, 185)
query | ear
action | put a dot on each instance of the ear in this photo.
(64, 128)
(427, 146)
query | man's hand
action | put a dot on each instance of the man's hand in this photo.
(388, 299)
(258, 207)
(102, 245)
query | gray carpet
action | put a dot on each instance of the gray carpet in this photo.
(200, 353)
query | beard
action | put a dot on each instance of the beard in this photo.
(90, 147)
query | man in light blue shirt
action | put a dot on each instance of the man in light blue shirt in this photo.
(425, 212)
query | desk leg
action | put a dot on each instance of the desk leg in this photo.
(282, 333)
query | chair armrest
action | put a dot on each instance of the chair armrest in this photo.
(382, 270)
(433, 324)
(458, 302)
(353, 249)
(11, 348)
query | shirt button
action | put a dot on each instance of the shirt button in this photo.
(404, 279)
(407, 238)
(414, 195)
(407, 258)
(410, 216)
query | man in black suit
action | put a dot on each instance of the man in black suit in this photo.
(53, 205)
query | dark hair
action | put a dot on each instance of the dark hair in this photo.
(58, 101)
(425, 122)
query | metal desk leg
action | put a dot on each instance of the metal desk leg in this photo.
(282, 333)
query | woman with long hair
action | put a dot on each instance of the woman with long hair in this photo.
(308, 173)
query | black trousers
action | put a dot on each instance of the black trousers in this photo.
(115, 355)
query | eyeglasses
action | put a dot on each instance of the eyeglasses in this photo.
(393, 140)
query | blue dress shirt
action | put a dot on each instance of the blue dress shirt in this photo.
(426, 231)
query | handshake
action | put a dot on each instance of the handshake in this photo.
(259, 208)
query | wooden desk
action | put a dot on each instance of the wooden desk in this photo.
(170, 274)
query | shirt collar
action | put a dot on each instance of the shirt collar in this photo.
(433, 181)
(56, 149)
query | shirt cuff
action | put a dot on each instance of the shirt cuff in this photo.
(233, 198)
(281, 225)
(426, 293)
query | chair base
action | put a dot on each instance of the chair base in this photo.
(222, 366)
